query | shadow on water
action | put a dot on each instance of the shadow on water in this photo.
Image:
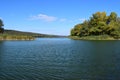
(103, 60)
(94, 60)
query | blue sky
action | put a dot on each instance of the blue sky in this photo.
(51, 16)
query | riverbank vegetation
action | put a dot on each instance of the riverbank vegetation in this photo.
(15, 35)
(8, 35)
(98, 27)
(20, 35)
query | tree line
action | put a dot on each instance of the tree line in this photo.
(98, 24)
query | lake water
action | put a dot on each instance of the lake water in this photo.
(59, 59)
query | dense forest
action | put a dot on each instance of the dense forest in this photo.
(98, 24)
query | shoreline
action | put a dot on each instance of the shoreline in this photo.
(14, 37)
(92, 38)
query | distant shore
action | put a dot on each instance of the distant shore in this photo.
(20, 35)
(10, 37)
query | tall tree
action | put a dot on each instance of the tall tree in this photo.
(76, 30)
(1, 26)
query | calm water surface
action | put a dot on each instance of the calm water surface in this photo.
(59, 59)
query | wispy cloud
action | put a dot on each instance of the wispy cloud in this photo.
(81, 19)
(62, 19)
(44, 17)
(47, 18)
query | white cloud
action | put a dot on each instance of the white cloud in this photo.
(44, 18)
(48, 18)
(81, 19)
(63, 19)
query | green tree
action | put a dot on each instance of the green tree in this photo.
(76, 30)
(1, 26)
(112, 17)
(98, 17)
(99, 24)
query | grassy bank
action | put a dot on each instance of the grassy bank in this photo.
(20, 35)
(101, 37)
(15, 37)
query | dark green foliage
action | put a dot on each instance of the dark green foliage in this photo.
(1, 28)
(98, 24)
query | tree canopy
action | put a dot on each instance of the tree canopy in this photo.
(98, 24)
